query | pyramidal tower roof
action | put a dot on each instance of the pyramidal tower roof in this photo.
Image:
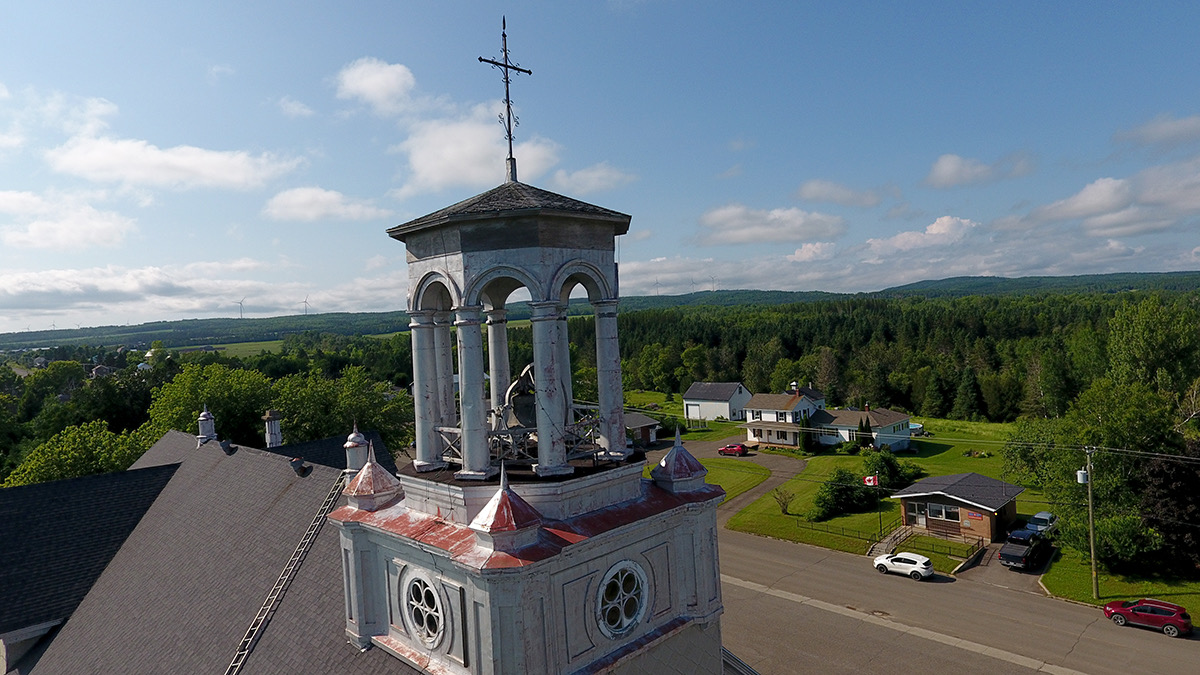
(512, 198)
(679, 471)
(372, 487)
(507, 511)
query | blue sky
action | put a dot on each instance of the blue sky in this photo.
(164, 162)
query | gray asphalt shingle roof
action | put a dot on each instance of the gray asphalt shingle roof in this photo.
(711, 391)
(182, 590)
(57, 538)
(983, 491)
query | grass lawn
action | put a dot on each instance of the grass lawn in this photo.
(764, 517)
(734, 476)
(1071, 577)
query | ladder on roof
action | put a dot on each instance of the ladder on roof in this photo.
(285, 579)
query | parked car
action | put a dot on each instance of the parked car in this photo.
(1024, 549)
(916, 566)
(1170, 618)
(735, 449)
(1043, 522)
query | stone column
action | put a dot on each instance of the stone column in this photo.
(445, 370)
(608, 378)
(552, 453)
(498, 366)
(564, 367)
(476, 458)
(425, 393)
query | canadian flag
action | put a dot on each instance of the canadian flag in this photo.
(870, 480)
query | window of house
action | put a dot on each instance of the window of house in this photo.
(935, 511)
(756, 415)
(951, 513)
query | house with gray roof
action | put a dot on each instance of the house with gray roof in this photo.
(714, 400)
(962, 504)
(888, 427)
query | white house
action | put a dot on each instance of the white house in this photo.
(710, 400)
(888, 427)
(778, 419)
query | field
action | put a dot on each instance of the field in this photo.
(242, 349)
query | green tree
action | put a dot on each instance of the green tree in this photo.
(968, 400)
(313, 406)
(82, 450)
(237, 398)
(1154, 343)
(761, 358)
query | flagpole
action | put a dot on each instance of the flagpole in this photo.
(877, 507)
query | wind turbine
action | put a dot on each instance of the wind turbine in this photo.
(305, 303)
(693, 279)
(656, 284)
(714, 283)
(241, 307)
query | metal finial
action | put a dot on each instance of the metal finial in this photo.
(508, 119)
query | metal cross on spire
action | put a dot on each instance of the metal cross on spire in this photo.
(508, 119)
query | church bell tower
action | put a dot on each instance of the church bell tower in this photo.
(522, 537)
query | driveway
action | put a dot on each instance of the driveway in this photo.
(990, 571)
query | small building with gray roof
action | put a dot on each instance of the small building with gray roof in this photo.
(961, 504)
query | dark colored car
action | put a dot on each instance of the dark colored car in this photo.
(1170, 618)
(735, 449)
(1025, 550)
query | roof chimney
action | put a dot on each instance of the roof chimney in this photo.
(274, 435)
(300, 467)
(208, 428)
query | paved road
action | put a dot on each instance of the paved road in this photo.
(791, 608)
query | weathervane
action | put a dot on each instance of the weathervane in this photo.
(507, 119)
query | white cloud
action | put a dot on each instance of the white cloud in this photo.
(215, 73)
(821, 250)
(314, 203)
(595, 178)
(1126, 222)
(828, 191)
(941, 232)
(4, 92)
(386, 87)
(61, 222)
(1100, 196)
(294, 108)
(952, 170)
(137, 162)
(1164, 131)
(739, 224)
(376, 261)
(1174, 187)
(467, 151)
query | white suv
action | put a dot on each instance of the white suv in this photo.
(916, 566)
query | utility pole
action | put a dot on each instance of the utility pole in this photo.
(878, 508)
(1091, 521)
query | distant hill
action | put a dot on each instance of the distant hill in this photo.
(199, 332)
(1087, 283)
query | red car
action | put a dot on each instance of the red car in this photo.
(1171, 619)
(735, 449)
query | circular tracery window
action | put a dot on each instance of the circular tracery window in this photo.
(622, 598)
(424, 610)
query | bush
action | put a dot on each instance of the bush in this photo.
(783, 497)
(842, 493)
